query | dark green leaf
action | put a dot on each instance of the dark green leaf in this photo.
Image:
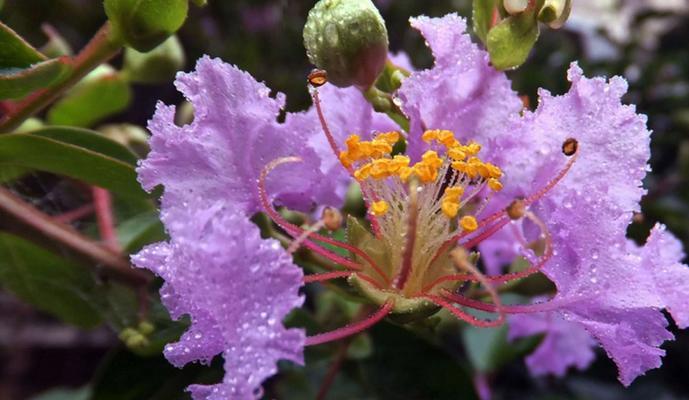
(10, 173)
(482, 16)
(489, 350)
(17, 83)
(15, 52)
(88, 139)
(126, 376)
(510, 42)
(46, 154)
(92, 100)
(139, 231)
(405, 367)
(65, 394)
(47, 281)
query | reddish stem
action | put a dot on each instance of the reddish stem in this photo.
(73, 215)
(336, 152)
(513, 309)
(106, 221)
(326, 276)
(352, 328)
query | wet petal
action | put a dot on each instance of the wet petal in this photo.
(237, 288)
(462, 92)
(235, 133)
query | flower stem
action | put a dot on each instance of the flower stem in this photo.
(106, 222)
(100, 49)
(113, 263)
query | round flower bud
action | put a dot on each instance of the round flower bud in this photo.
(348, 39)
(144, 24)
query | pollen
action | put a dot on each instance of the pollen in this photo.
(494, 185)
(449, 208)
(379, 208)
(468, 223)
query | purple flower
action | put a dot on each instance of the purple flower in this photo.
(611, 288)
(237, 288)
(236, 159)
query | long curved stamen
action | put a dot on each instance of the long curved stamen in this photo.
(294, 246)
(460, 258)
(290, 228)
(297, 231)
(464, 316)
(507, 309)
(533, 269)
(326, 276)
(336, 151)
(503, 214)
(352, 328)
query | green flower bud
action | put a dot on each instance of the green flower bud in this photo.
(348, 39)
(157, 66)
(554, 13)
(144, 24)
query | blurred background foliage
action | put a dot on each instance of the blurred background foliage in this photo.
(52, 342)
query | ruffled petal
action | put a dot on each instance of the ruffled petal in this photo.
(606, 285)
(237, 288)
(235, 133)
(462, 92)
(565, 344)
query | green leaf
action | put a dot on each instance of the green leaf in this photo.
(126, 376)
(156, 66)
(101, 94)
(489, 350)
(10, 173)
(48, 282)
(50, 155)
(482, 16)
(139, 231)
(403, 366)
(510, 42)
(17, 83)
(88, 139)
(65, 394)
(15, 52)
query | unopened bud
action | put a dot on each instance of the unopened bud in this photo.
(156, 66)
(554, 13)
(515, 6)
(348, 39)
(332, 218)
(144, 24)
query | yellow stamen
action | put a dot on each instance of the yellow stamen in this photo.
(389, 137)
(453, 193)
(429, 136)
(379, 208)
(494, 184)
(450, 209)
(468, 223)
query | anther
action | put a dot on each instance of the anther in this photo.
(318, 78)
(468, 223)
(516, 209)
(379, 208)
(570, 147)
(332, 218)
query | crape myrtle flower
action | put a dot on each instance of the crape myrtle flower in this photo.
(478, 171)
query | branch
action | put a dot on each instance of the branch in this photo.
(99, 50)
(114, 264)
